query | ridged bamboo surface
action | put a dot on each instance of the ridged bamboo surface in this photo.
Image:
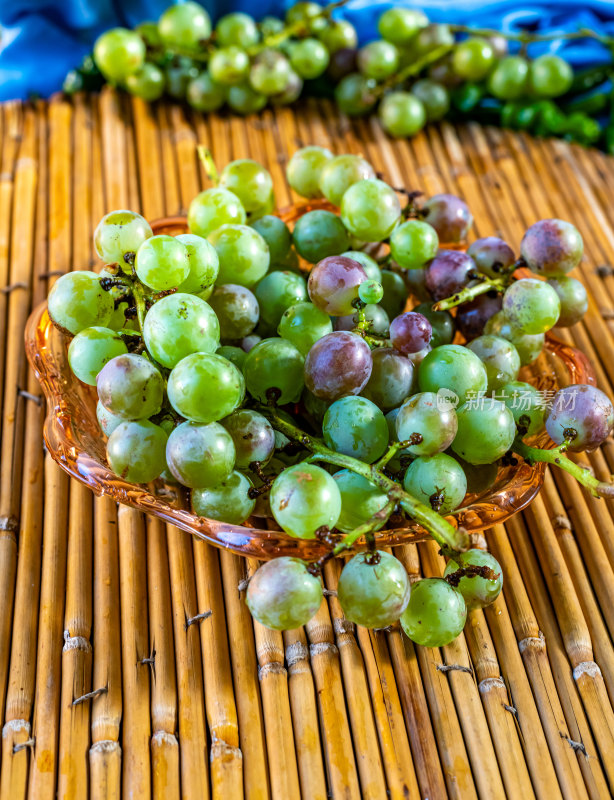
(114, 682)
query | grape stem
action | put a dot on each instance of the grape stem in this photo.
(206, 159)
(139, 302)
(365, 529)
(471, 292)
(525, 38)
(413, 69)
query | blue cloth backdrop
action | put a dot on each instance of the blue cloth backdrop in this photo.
(41, 40)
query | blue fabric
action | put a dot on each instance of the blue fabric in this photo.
(42, 39)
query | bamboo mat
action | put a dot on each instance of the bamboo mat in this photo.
(114, 681)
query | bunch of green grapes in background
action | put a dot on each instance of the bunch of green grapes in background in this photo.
(312, 373)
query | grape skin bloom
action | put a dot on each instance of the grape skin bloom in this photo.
(130, 387)
(339, 363)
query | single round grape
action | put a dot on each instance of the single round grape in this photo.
(338, 364)
(106, 419)
(270, 25)
(493, 257)
(333, 284)
(178, 74)
(184, 26)
(304, 169)
(369, 264)
(377, 321)
(228, 501)
(373, 589)
(249, 342)
(309, 57)
(500, 358)
(283, 595)
(274, 364)
(245, 100)
(442, 324)
(434, 97)
(276, 234)
(473, 59)
(360, 500)
(550, 76)
(532, 306)
(552, 247)
(308, 13)
(162, 263)
(203, 262)
(452, 367)
(399, 25)
(179, 325)
(378, 59)
(529, 346)
(120, 233)
(77, 301)
(253, 437)
(526, 404)
(205, 387)
(391, 378)
(450, 216)
(291, 92)
(341, 172)
(471, 317)
(582, 414)
(438, 481)
(269, 72)
(402, 114)
(370, 292)
(508, 80)
(303, 324)
(395, 292)
(370, 210)
(91, 349)
(229, 66)
(249, 181)
(277, 292)
(436, 613)
(303, 498)
(413, 243)
(410, 332)
(236, 28)
(339, 34)
(355, 94)
(136, 451)
(429, 38)
(119, 53)
(148, 83)
(414, 281)
(356, 427)
(204, 94)
(243, 253)
(130, 387)
(236, 355)
(477, 591)
(573, 299)
(213, 208)
(449, 272)
(200, 456)
(237, 310)
(428, 422)
(318, 234)
(486, 430)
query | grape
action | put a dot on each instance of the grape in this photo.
(355, 94)
(581, 413)
(269, 72)
(309, 57)
(402, 114)
(274, 364)
(417, 358)
(434, 97)
(130, 387)
(179, 73)
(471, 317)
(450, 216)
(428, 422)
(413, 243)
(473, 59)
(486, 431)
(283, 595)
(229, 66)
(227, 502)
(203, 261)
(277, 292)
(162, 263)
(342, 64)
(339, 34)
(291, 92)
(148, 83)
(499, 44)
(550, 76)
(236, 28)
(480, 477)
(253, 437)
(236, 355)
(452, 367)
(356, 427)
(78, 301)
(370, 210)
(333, 284)
(184, 26)
(442, 324)
(91, 349)
(243, 253)
(136, 451)
(529, 346)
(429, 38)
(531, 306)
(308, 13)
(236, 309)
(378, 59)
(270, 25)
(478, 592)
(339, 363)
(276, 234)
(370, 266)
(552, 247)
(304, 169)
(107, 421)
(250, 182)
(318, 234)
(370, 292)
(179, 325)
(213, 208)
(395, 293)
(373, 589)
(341, 172)
(377, 320)
(436, 613)
(119, 53)
(493, 257)
(399, 25)
(249, 342)
(244, 100)
(304, 498)
(360, 500)
(200, 456)
(437, 481)
(500, 358)
(205, 387)
(415, 282)
(526, 404)
(508, 81)
(448, 273)
(120, 234)
(303, 324)
(410, 332)
(391, 378)
(573, 299)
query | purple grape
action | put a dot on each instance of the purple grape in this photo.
(471, 317)
(449, 272)
(342, 63)
(415, 280)
(552, 247)
(450, 216)
(338, 364)
(493, 257)
(333, 284)
(253, 437)
(581, 413)
(391, 378)
(410, 332)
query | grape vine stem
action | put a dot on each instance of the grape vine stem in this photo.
(525, 37)
(471, 292)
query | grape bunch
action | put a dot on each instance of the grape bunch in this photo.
(331, 375)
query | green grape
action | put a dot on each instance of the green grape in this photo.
(399, 25)
(370, 265)
(402, 114)
(303, 498)
(473, 59)
(477, 592)
(373, 589)
(573, 298)
(531, 306)
(434, 97)
(428, 422)
(309, 57)
(527, 406)
(276, 292)
(395, 293)
(378, 321)
(371, 292)
(437, 481)
(283, 595)
(148, 83)
(436, 613)
(179, 72)
(269, 72)
(452, 367)
(73, 82)
(106, 419)
(203, 262)
(200, 456)
(130, 387)
(236, 309)
(266, 209)
(244, 100)
(339, 34)
(291, 91)
(413, 243)
(355, 94)
(90, 350)
(360, 500)
(442, 323)
(341, 172)
(480, 477)
(251, 183)
(303, 324)
(119, 53)
(179, 325)
(77, 301)
(486, 430)
(204, 94)
(500, 359)
(304, 169)
(136, 451)
(228, 502)
(243, 253)
(149, 33)
(253, 437)
(276, 234)
(119, 235)
(315, 407)
(378, 59)
(184, 26)
(356, 427)
(429, 38)
(229, 66)
(550, 76)
(162, 263)
(274, 364)
(308, 13)
(370, 210)
(269, 26)
(529, 346)
(508, 80)
(236, 28)
(236, 355)
(318, 234)
(205, 387)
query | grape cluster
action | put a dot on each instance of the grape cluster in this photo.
(310, 375)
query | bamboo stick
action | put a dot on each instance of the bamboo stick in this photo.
(146, 140)
(170, 178)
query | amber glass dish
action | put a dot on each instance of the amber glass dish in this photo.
(75, 442)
